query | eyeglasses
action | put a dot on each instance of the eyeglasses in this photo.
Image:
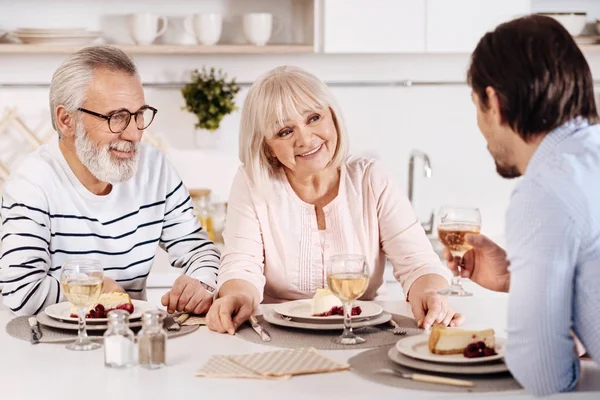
(119, 120)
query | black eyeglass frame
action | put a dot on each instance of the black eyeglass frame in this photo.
(131, 114)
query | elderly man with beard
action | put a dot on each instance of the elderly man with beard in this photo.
(97, 192)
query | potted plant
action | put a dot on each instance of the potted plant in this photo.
(210, 96)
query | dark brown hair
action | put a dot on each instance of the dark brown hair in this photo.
(538, 72)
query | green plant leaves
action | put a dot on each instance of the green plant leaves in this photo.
(210, 96)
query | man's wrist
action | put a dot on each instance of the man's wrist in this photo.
(208, 288)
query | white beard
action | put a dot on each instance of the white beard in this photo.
(99, 161)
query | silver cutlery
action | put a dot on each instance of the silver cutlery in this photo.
(174, 323)
(396, 330)
(36, 332)
(428, 378)
(264, 336)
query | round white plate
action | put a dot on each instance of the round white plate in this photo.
(62, 312)
(467, 369)
(300, 311)
(416, 347)
(276, 319)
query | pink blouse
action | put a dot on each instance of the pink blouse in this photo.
(275, 243)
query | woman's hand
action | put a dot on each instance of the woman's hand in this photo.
(229, 312)
(430, 307)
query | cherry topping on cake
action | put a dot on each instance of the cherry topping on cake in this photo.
(338, 310)
(478, 349)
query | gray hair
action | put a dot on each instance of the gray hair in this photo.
(274, 97)
(70, 81)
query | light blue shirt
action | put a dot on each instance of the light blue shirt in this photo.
(553, 245)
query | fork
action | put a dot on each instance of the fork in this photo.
(396, 328)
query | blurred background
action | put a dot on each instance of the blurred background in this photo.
(396, 67)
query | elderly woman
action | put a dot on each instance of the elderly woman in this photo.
(298, 199)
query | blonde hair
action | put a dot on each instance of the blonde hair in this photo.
(281, 94)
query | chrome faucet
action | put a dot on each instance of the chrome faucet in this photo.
(428, 225)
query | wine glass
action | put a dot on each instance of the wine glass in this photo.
(81, 281)
(347, 277)
(454, 224)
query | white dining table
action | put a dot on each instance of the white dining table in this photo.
(49, 371)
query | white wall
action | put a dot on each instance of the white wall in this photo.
(384, 121)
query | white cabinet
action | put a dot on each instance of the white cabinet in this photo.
(374, 26)
(455, 26)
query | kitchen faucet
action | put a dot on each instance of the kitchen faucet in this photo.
(427, 225)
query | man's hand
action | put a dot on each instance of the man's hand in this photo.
(485, 264)
(187, 294)
(229, 312)
(110, 285)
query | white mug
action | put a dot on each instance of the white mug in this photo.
(206, 27)
(176, 33)
(144, 28)
(258, 28)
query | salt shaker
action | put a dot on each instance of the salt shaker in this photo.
(119, 341)
(152, 340)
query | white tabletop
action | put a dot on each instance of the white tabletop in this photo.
(49, 371)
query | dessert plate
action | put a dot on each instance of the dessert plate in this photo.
(417, 347)
(300, 310)
(274, 318)
(468, 369)
(62, 312)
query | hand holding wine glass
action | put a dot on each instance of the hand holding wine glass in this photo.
(348, 278)
(81, 282)
(485, 264)
(454, 225)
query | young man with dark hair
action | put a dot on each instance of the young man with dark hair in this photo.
(534, 95)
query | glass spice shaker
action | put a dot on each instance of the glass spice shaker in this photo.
(119, 341)
(152, 340)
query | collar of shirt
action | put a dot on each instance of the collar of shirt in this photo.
(552, 140)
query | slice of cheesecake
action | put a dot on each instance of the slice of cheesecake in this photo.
(108, 302)
(324, 304)
(443, 340)
(323, 301)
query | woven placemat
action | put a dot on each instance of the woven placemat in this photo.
(379, 335)
(367, 363)
(19, 328)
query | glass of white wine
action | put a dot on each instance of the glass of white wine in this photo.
(348, 277)
(454, 225)
(81, 281)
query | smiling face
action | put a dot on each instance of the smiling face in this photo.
(108, 156)
(305, 143)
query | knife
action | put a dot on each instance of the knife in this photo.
(36, 333)
(429, 378)
(264, 336)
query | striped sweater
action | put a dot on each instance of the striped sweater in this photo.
(48, 216)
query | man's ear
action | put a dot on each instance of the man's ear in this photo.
(494, 104)
(65, 121)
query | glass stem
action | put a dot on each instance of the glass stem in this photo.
(456, 278)
(347, 318)
(82, 336)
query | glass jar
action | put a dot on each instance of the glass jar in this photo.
(204, 210)
(152, 340)
(119, 341)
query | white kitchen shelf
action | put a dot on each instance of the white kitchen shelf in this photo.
(163, 49)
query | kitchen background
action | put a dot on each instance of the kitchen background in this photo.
(397, 68)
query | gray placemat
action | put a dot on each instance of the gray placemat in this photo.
(367, 363)
(19, 328)
(379, 335)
